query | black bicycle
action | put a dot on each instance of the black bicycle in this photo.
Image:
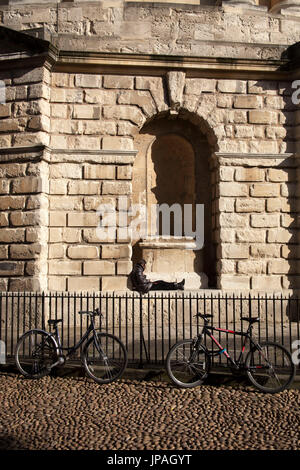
(268, 365)
(104, 356)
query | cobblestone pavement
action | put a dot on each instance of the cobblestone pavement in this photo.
(76, 413)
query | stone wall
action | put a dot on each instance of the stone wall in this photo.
(69, 135)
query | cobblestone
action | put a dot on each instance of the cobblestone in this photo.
(76, 413)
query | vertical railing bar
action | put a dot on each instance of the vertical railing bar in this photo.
(234, 336)
(176, 317)
(281, 319)
(133, 315)
(162, 328)
(148, 328)
(155, 327)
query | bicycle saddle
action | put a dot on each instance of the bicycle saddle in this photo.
(251, 319)
(54, 322)
(204, 316)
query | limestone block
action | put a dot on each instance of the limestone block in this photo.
(116, 251)
(117, 187)
(251, 267)
(124, 267)
(124, 172)
(117, 283)
(264, 190)
(85, 111)
(232, 86)
(18, 218)
(4, 252)
(233, 189)
(118, 81)
(71, 235)
(283, 266)
(4, 219)
(57, 219)
(288, 220)
(224, 101)
(10, 125)
(31, 251)
(246, 101)
(56, 251)
(37, 91)
(29, 284)
(264, 251)
(12, 235)
(175, 83)
(155, 86)
(64, 267)
(83, 252)
(226, 266)
(226, 204)
(4, 186)
(234, 282)
(88, 80)
(59, 111)
(92, 236)
(142, 99)
(87, 219)
(28, 76)
(289, 189)
(84, 187)
(55, 235)
(244, 132)
(99, 267)
(64, 95)
(117, 143)
(226, 173)
(126, 112)
(281, 235)
(93, 203)
(263, 117)
(86, 284)
(264, 220)
(195, 86)
(251, 235)
(235, 251)
(262, 86)
(103, 97)
(58, 186)
(5, 110)
(67, 203)
(57, 283)
(250, 205)
(263, 146)
(278, 175)
(11, 268)
(266, 283)
(233, 220)
(98, 127)
(104, 172)
(65, 170)
(28, 184)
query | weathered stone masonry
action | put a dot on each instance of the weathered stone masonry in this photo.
(76, 112)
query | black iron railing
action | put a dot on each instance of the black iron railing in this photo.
(149, 325)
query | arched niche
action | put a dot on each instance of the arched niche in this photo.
(173, 166)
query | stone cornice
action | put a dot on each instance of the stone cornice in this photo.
(42, 152)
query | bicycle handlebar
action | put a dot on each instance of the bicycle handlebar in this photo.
(94, 313)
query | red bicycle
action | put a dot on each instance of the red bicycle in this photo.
(268, 365)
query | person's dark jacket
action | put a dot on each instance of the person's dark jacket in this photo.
(139, 280)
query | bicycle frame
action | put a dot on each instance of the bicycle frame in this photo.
(247, 335)
(74, 348)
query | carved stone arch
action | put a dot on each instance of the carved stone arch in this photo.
(175, 164)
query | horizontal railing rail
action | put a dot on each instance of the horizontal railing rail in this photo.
(150, 324)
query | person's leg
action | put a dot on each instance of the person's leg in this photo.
(163, 285)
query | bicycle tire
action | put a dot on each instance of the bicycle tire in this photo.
(105, 370)
(182, 372)
(35, 352)
(271, 369)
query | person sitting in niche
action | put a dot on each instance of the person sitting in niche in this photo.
(141, 284)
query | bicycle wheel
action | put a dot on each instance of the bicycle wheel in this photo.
(109, 362)
(270, 367)
(35, 353)
(186, 366)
